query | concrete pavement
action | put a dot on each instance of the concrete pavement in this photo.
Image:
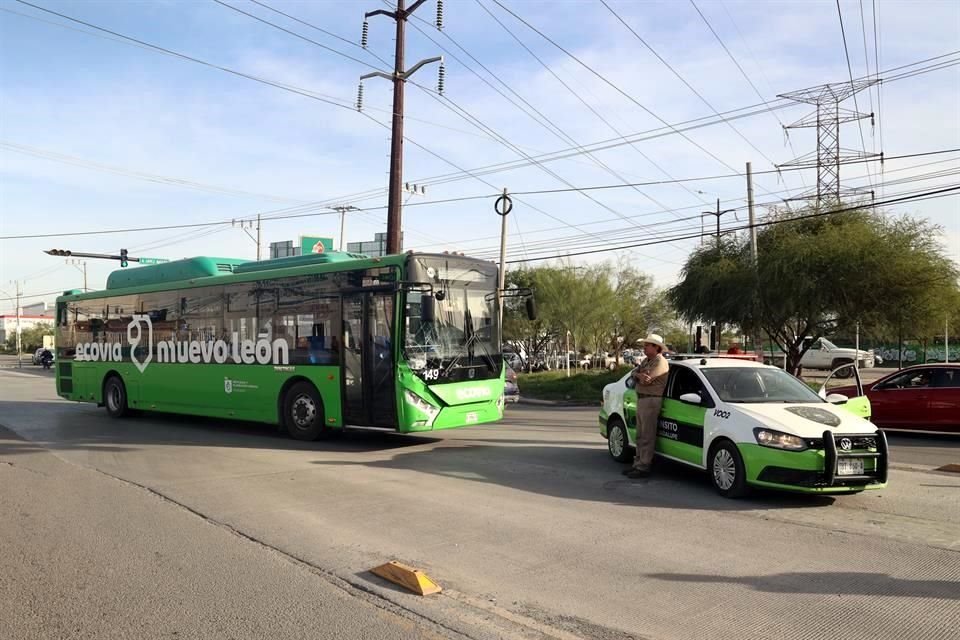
(533, 532)
(85, 555)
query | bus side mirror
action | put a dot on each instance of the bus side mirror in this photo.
(531, 308)
(428, 308)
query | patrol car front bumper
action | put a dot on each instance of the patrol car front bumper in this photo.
(850, 462)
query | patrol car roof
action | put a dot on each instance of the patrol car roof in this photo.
(718, 363)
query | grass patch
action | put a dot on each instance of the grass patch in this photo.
(581, 386)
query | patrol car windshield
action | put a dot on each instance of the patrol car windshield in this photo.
(752, 385)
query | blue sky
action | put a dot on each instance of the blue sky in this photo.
(91, 100)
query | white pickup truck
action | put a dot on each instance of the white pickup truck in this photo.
(823, 354)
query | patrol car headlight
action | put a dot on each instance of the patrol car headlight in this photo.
(422, 406)
(779, 440)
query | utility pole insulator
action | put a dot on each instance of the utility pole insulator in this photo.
(441, 76)
(439, 15)
(360, 97)
(364, 34)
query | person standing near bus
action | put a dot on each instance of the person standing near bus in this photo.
(651, 380)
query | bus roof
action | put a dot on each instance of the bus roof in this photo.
(203, 270)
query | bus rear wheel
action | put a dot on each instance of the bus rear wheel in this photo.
(303, 414)
(115, 397)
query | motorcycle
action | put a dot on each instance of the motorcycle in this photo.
(46, 359)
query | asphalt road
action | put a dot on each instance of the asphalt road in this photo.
(527, 524)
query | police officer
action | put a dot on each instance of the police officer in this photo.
(651, 380)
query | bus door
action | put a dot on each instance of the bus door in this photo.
(368, 363)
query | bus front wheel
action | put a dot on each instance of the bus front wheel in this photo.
(303, 412)
(115, 397)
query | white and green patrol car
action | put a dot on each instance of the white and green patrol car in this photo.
(749, 424)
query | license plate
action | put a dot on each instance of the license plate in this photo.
(850, 467)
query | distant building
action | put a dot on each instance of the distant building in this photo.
(375, 248)
(306, 245)
(283, 249)
(37, 309)
(8, 324)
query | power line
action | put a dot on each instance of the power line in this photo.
(300, 36)
(417, 204)
(696, 123)
(614, 86)
(622, 232)
(622, 235)
(316, 28)
(541, 120)
(460, 111)
(344, 103)
(652, 213)
(745, 75)
(929, 195)
(856, 107)
(682, 79)
(580, 98)
(46, 154)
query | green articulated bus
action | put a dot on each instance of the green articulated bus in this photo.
(313, 343)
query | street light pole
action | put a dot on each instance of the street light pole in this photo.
(502, 206)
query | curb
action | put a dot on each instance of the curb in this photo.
(553, 403)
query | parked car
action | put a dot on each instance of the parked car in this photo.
(511, 390)
(924, 397)
(36, 355)
(823, 354)
(752, 425)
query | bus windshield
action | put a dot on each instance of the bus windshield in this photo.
(463, 341)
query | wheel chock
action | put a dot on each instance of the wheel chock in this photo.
(407, 577)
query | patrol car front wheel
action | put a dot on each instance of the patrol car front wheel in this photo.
(727, 471)
(617, 442)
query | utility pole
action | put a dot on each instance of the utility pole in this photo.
(753, 220)
(717, 213)
(343, 209)
(399, 78)
(82, 266)
(19, 292)
(256, 238)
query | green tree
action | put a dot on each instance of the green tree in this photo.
(31, 339)
(525, 335)
(816, 275)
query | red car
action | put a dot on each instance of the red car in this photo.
(924, 397)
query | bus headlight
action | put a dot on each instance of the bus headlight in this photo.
(422, 406)
(779, 440)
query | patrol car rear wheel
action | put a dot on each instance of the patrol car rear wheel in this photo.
(618, 444)
(727, 471)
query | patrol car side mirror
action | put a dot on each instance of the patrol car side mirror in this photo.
(837, 398)
(691, 398)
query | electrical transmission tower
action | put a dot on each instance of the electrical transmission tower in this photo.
(827, 120)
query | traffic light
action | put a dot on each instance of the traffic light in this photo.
(123, 257)
(58, 252)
